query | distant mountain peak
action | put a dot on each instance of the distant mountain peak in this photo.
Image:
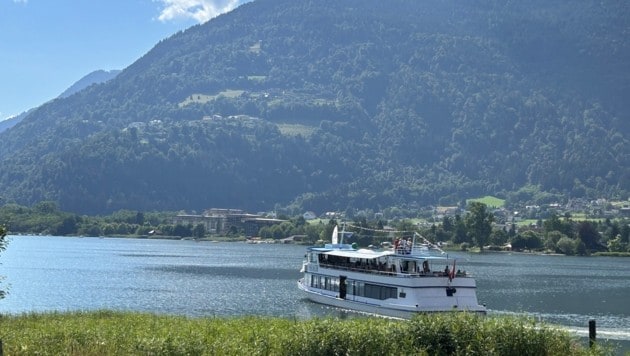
(95, 77)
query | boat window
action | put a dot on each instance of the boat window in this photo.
(334, 284)
(373, 291)
(328, 283)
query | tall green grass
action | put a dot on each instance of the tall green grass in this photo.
(118, 333)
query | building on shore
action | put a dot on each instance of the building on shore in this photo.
(223, 221)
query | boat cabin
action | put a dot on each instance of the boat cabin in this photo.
(381, 262)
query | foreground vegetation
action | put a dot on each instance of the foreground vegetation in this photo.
(117, 333)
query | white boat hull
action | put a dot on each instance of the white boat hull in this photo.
(384, 309)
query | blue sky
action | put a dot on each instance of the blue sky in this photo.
(47, 45)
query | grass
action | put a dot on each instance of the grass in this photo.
(122, 333)
(204, 98)
(490, 201)
(527, 222)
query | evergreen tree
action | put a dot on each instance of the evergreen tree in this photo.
(460, 235)
(479, 223)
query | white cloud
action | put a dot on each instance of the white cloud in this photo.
(199, 10)
(21, 1)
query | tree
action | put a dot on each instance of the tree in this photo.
(406, 225)
(3, 233)
(498, 237)
(615, 245)
(553, 223)
(67, 227)
(479, 223)
(589, 235)
(182, 230)
(199, 231)
(3, 245)
(312, 232)
(460, 235)
(528, 240)
(552, 238)
(46, 207)
(447, 224)
(139, 218)
(566, 245)
(625, 233)
(300, 221)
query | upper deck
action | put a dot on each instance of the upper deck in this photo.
(407, 262)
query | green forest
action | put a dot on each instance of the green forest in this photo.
(334, 105)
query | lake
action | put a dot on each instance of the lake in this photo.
(229, 279)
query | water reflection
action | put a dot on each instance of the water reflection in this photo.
(231, 271)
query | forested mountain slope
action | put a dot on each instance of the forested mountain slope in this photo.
(338, 104)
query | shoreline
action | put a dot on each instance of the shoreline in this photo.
(215, 239)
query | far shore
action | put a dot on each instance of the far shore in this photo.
(257, 240)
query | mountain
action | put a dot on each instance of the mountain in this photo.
(12, 121)
(95, 77)
(337, 105)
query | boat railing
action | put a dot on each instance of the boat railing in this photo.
(419, 246)
(388, 271)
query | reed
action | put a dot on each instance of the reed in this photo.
(128, 333)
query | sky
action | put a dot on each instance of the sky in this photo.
(48, 45)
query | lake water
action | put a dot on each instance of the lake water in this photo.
(228, 279)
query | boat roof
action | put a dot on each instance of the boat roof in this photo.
(362, 253)
(347, 251)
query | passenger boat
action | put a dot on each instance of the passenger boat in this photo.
(412, 277)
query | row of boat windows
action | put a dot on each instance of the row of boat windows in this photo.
(356, 288)
(380, 265)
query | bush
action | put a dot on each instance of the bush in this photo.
(567, 246)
